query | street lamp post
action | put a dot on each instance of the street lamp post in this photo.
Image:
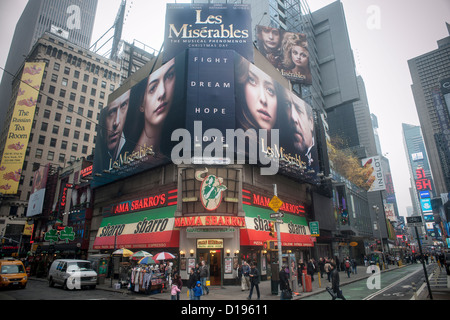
(376, 208)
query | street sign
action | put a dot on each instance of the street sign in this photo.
(415, 221)
(277, 215)
(275, 204)
(314, 228)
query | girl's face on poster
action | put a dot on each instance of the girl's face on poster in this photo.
(159, 94)
(261, 98)
(300, 56)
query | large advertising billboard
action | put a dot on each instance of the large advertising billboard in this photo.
(20, 127)
(206, 100)
(208, 25)
(37, 196)
(286, 51)
(375, 177)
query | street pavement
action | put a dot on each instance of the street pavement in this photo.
(231, 292)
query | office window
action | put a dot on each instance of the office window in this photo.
(38, 154)
(49, 101)
(102, 95)
(51, 89)
(103, 84)
(66, 132)
(78, 123)
(74, 147)
(94, 81)
(72, 96)
(68, 119)
(55, 129)
(50, 156)
(86, 137)
(84, 150)
(47, 114)
(53, 142)
(67, 70)
(76, 74)
(62, 157)
(88, 125)
(70, 108)
(82, 99)
(111, 87)
(74, 85)
(58, 116)
(54, 78)
(44, 126)
(56, 66)
(63, 145)
(41, 139)
(84, 88)
(64, 82)
(86, 78)
(60, 104)
(91, 102)
(89, 114)
(80, 111)
(76, 135)
(93, 92)
(62, 93)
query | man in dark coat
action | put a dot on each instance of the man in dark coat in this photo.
(335, 283)
(284, 282)
(254, 281)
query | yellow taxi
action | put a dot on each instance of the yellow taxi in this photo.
(12, 274)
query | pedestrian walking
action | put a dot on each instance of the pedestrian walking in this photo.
(327, 269)
(245, 280)
(198, 291)
(177, 280)
(322, 267)
(354, 265)
(204, 273)
(347, 265)
(286, 293)
(335, 282)
(254, 281)
(310, 269)
(193, 278)
(175, 290)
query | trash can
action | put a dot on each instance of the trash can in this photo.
(307, 283)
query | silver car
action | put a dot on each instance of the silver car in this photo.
(72, 274)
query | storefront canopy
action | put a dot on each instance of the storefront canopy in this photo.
(146, 229)
(294, 230)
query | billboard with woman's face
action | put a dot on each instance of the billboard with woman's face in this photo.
(286, 51)
(223, 92)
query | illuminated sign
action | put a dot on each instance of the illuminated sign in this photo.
(210, 190)
(426, 205)
(250, 198)
(86, 171)
(425, 194)
(209, 243)
(228, 221)
(422, 182)
(155, 201)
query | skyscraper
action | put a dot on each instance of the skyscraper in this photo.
(72, 19)
(427, 71)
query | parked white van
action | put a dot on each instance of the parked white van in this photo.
(72, 274)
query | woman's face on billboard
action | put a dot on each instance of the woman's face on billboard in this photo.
(300, 56)
(261, 98)
(159, 93)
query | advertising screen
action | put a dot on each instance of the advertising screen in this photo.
(20, 127)
(36, 202)
(286, 51)
(208, 26)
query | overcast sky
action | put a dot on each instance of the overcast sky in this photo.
(384, 35)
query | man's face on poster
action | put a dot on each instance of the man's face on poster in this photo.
(115, 120)
(302, 124)
(270, 37)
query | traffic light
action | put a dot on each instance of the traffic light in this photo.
(272, 229)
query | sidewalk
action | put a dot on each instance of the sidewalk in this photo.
(235, 293)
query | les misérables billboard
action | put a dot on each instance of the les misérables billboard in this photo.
(217, 88)
(208, 26)
(286, 51)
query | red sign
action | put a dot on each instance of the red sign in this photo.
(230, 221)
(422, 182)
(253, 199)
(156, 201)
(86, 171)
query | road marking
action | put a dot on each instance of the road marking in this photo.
(369, 297)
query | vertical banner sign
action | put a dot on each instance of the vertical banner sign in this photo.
(208, 26)
(20, 127)
(376, 178)
(210, 92)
